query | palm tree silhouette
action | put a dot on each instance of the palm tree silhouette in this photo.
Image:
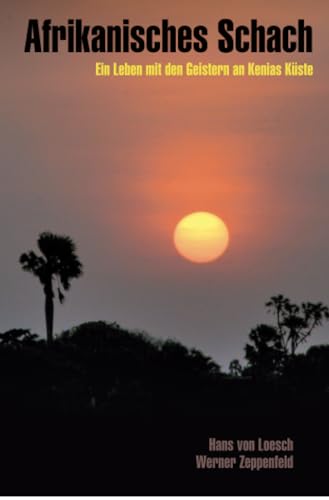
(57, 263)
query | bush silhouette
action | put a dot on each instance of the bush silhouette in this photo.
(265, 354)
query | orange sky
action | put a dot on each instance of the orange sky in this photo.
(117, 162)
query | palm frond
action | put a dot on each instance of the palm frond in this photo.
(32, 263)
(54, 245)
(61, 296)
(58, 260)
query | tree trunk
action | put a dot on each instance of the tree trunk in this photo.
(49, 310)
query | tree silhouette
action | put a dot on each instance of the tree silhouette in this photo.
(57, 263)
(296, 323)
(235, 368)
(17, 338)
(265, 354)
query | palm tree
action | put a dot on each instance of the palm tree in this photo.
(57, 265)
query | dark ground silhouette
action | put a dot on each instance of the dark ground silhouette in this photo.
(108, 411)
(99, 368)
(103, 410)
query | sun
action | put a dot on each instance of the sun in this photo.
(201, 237)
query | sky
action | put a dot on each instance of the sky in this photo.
(116, 163)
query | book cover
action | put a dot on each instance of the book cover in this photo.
(164, 212)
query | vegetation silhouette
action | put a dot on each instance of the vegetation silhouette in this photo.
(273, 348)
(235, 368)
(58, 262)
(265, 354)
(101, 368)
(296, 323)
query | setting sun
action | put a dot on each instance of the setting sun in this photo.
(201, 237)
